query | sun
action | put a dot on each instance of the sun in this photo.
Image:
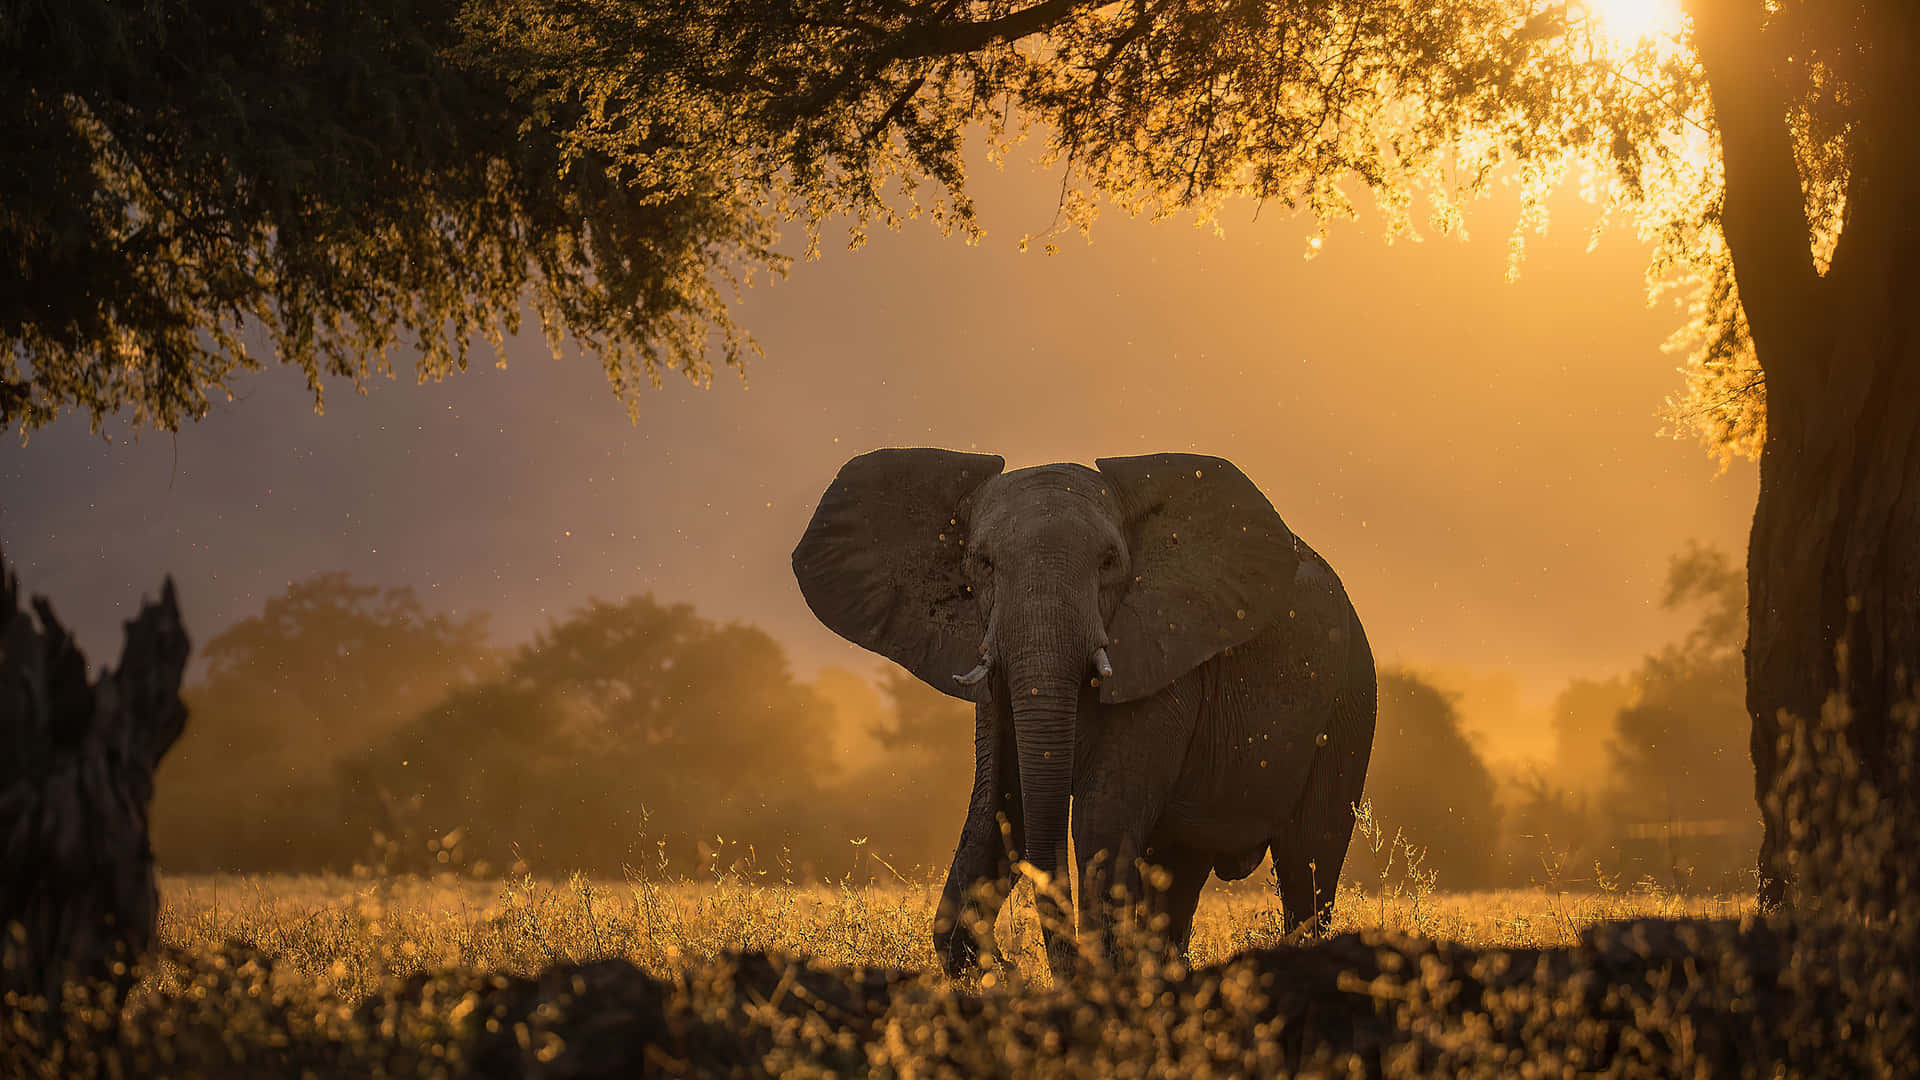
(1628, 22)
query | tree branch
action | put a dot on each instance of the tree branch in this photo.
(879, 127)
(942, 39)
(1142, 22)
(1764, 216)
(956, 38)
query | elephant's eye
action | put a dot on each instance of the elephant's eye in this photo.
(1110, 561)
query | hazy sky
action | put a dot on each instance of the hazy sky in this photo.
(1478, 460)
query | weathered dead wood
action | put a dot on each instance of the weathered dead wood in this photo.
(78, 902)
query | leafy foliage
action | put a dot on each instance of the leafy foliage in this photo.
(1169, 106)
(348, 182)
(188, 184)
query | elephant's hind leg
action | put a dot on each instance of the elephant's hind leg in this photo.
(1307, 880)
(1178, 897)
(1308, 856)
(1310, 852)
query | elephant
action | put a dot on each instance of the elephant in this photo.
(1146, 643)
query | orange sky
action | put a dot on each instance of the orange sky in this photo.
(1477, 459)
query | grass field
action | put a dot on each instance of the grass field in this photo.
(349, 936)
(404, 976)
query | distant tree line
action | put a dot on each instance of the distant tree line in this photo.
(1653, 777)
(347, 725)
(1650, 780)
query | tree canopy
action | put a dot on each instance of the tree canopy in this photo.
(192, 188)
(345, 183)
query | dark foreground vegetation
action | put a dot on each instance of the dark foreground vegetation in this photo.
(1640, 998)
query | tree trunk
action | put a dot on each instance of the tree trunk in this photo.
(1834, 561)
(1833, 565)
(77, 896)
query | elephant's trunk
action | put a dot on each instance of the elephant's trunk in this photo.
(1045, 697)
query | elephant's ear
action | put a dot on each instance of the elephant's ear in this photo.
(882, 562)
(1213, 565)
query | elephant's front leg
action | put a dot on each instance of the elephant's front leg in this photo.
(1110, 885)
(1126, 767)
(982, 871)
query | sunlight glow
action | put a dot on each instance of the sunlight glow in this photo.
(1628, 22)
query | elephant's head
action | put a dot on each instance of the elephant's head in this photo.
(1037, 583)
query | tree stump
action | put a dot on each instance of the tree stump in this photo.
(78, 902)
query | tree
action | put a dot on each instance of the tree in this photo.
(1767, 145)
(921, 721)
(1650, 776)
(1681, 778)
(78, 900)
(327, 668)
(183, 184)
(623, 721)
(1583, 720)
(907, 769)
(329, 664)
(913, 798)
(1427, 778)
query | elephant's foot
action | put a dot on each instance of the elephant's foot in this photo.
(960, 951)
(1063, 957)
(1306, 923)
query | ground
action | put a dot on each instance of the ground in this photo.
(349, 935)
(401, 976)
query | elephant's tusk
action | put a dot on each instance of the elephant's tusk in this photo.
(974, 676)
(1101, 663)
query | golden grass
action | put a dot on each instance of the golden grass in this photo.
(349, 936)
